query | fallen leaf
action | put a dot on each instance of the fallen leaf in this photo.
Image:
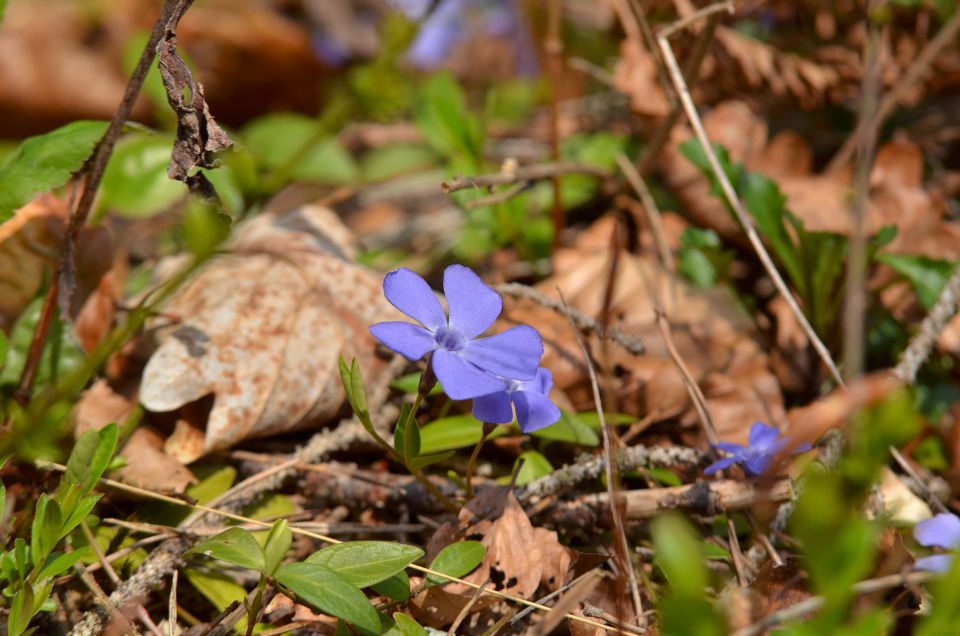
(635, 75)
(98, 406)
(150, 468)
(261, 329)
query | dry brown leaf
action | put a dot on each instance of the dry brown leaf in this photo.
(98, 406)
(149, 467)
(810, 422)
(261, 329)
(635, 75)
(514, 563)
(713, 337)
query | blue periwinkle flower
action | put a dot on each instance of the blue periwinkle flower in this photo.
(534, 408)
(762, 447)
(942, 531)
(466, 366)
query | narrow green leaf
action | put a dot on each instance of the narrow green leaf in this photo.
(411, 437)
(679, 555)
(452, 433)
(21, 611)
(457, 560)
(535, 465)
(91, 455)
(219, 589)
(45, 530)
(408, 626)
(396, 587)
(422, 461)
(80, 511)
(276, 546)
(569, 428)
(45, 162)
(57, 563)
(365, 563)
(329, 592)
(233, 545)
(928, 276)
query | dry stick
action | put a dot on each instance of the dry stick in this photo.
(172, 604)
(582, 320)
(922, 343)
(93, 168)
(687, 20)
(498, 197)
(742, 216)
(306, 533)
(522, 174)
(856, 294)
(946, 36)
(816, 602)
(466, 608)
(623, 548)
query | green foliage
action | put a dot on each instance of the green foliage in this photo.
(945, 615)
(457, 560)
(408, 626)
(327, 591)
(840, 544)
(366, 563)
(928, 276)
(233, 545)
(535, 466)
(680, 555)
(61, 355)
(814, 262)
(454, 432)
(27, 571)
(570, 428)
(135, 183)
(445, 121)
(45, 162)
(702, 258)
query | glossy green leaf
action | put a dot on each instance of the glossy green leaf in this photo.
(457, 560)
(135, 183)
(422, 461)
(279, 138)
(408, 626)
(277, 545)
(233, 545)
(218, 588)
(57, 563)
(406, 436)
(535, 465)
(451, 433)
(329, 592)
(679, 555)
(410, 384)
(356, 392)
(45, 530)
(928, 276)
(569, 428)
(396, 587)
(45, 162)
(365, 563)
(79, 512)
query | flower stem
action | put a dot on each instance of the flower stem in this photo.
(472, 464)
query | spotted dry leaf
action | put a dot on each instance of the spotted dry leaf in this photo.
(261, 329)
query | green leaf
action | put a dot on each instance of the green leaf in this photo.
(410, 384)
(61, 353)
(3, 350)
(408, 626)
(457, 560)
(422, 461)
(21, 611)
(406, 436)
(278, 138)
(679, 555)
(380, 164)
(233, 545)
(57, 563)
(135, 183)
(45, 162)
(276, 546)
(329, 592)
(356, 393)
(396, 587)
(451, 433)
(446, 122)
(79, 512)
(365, 563)
(219, 589)
(569, 428)
(91, 455)
(45, 530)
(945, 615)
(928, 276)
(535, 465)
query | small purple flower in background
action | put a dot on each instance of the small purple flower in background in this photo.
(534, 408)
(942, 531)
(763, 446)
(465, 365)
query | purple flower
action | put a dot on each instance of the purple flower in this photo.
(764, 444)
(534, 408)
(465, 365)
(942, 531)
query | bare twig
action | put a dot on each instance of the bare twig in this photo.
(582, 320)
(696, 16)
(534, 172)
(466, 608)
(922, 343)
(737, 205)
(612, 474)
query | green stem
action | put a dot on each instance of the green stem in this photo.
(472, 464)
(253, 610)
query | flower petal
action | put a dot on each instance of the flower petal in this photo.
(802, 447)
(719, 465)
(409, 340)
(513, 354)
(736, 449)
(758, 464)
(460, 379)
(934, 563)
(763, 435)
(494, 408)
(409, 293)
(534, 411)
(540, 384)
(941, 530)
(473, 305)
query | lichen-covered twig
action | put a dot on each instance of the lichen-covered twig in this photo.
(522, 174)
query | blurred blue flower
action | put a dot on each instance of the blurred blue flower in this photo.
(534, 408)
(465, 365)
(453, 21)
(762, 447)
(942, 531)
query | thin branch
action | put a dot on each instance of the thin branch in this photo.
(582, 320)
(534, 172)
(922, 343)
(737, 205)
(696, 16)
